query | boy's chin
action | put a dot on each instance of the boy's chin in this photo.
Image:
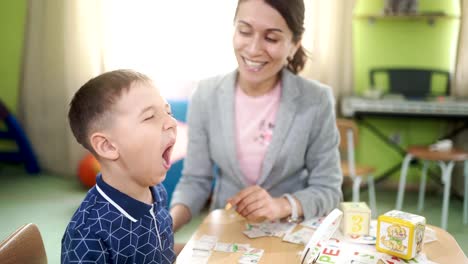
(159, 179)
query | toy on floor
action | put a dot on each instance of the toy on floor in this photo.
(87, 170)
(14, 132)
(400, 234)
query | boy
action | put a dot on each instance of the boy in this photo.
(121, 118)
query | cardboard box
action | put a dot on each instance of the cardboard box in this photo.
(356, 218)
(400, 234)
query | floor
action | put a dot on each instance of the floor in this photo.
(49, 201)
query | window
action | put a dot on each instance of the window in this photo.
(176, 43)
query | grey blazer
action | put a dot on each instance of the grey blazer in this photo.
(302, 158)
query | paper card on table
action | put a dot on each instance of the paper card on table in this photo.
(302, 236)
(418, 259)
(205, 242)
(313, 222)
(360, 239)
(254, 233)
(252, 255)
(196, 253)
(201, 251)
(272, 228)
(207, 238)
(429, 235)
(231, 247)
(199, 260)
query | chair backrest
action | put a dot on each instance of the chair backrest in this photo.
(23, 246)
(346, 126)
(413, 83)
(348, 140)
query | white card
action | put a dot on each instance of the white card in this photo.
(302, 236)
(231, 247)
(252, 255)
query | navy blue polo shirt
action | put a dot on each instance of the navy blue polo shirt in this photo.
(111, 227)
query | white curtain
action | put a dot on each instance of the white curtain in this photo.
(460, 87)
(461, 73)
(177, 43)
(62, 51)
(331, 56)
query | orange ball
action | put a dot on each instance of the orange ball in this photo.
(87, 170)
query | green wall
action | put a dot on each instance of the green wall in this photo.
(12, 25)
(401, 42)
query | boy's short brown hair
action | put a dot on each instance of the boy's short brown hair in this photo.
(92, 103)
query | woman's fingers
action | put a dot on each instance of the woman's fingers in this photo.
(249, 206)
(255, 203)
(236, 199)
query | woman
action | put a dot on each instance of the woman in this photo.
(271, 134)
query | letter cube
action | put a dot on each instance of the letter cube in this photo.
(400, 234)
(356, 218)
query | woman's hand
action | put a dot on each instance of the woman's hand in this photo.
(256, 204)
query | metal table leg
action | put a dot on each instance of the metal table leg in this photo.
(401, 186)
(446, 180)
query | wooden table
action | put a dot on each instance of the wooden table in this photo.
(228, 227)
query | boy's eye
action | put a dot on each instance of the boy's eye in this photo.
(170, 113)
(149, 117)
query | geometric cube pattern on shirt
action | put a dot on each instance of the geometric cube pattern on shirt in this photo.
(100, 233)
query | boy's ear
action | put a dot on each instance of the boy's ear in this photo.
(103, 146)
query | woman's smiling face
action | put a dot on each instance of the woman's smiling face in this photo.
(262, 43)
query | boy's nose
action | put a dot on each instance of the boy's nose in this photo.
(170, 123)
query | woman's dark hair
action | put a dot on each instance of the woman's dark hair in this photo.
(293, 13)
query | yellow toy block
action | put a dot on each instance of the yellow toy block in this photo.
(356, 218)
(400, 234)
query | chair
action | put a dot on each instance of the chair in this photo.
(412, 83)
(349, 134)
(23, 246)
(446, 161)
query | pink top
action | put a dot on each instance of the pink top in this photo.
(255, 123)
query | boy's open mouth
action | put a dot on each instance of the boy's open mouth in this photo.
(167, 155)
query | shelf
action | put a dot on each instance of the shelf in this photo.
(409, 16)
(431, 18)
